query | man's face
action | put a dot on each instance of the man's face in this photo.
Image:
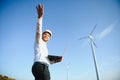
(46, 36)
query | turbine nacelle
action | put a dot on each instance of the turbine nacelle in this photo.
(90, 36)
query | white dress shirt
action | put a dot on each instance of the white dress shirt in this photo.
(40, 50)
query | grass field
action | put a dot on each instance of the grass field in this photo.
(6, 78)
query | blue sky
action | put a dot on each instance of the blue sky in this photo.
(69, 20)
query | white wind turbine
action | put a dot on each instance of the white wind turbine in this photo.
(93, 50)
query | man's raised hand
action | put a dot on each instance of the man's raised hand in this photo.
(40, 10)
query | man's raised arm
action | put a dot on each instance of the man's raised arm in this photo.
(40, 12)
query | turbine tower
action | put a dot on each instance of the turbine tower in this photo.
(67, 66)
(93, 50)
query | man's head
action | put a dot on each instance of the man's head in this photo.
(46, 35)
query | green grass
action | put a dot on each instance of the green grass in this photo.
(6, 78)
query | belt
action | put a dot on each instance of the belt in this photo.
(42, 63)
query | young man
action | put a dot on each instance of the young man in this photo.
(41, 61)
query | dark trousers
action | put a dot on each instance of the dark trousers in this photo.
(40, 71)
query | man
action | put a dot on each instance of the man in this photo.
(41, 61)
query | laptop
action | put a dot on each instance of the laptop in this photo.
(56, 58)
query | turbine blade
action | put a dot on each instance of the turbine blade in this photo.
(65, 49)
(94, 43)
(83, 38)
(93, 29)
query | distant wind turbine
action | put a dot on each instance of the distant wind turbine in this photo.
(92, 48)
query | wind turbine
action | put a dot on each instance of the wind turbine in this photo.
(93, 50)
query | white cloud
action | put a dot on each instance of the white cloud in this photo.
(107, 30)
